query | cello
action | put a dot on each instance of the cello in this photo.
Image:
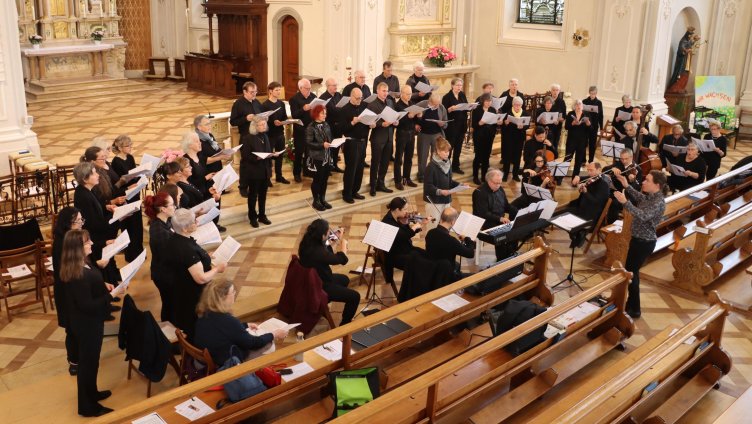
(648, 159)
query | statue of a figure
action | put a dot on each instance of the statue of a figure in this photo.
(682, 55)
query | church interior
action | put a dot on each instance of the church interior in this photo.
(72, 71)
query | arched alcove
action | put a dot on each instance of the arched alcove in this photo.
(282, 19)
(685, 18)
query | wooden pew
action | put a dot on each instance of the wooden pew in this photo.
(489, 376)
(684, 374)
(713, 250)
(427, 322)
(680, 209)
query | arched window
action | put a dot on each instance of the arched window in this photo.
(545, 12)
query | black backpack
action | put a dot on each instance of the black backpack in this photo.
(515, 313)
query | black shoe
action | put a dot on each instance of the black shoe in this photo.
(282, 180)
(115, 299)
(326, 204)
(72, 368)
(382, 188)
(410, 183)
(318, 206)
(264, 220)
(110, 318)
(338, 169)
(516, 178)
(458, 171)
(476, 180)
(372, 192)
(506, 178)
(115, 308)
(358, 196)
(244, 192)
(269, 183)
(221, 228)
(254, 222)
(102, 410)
(365, 165)
(104, 394)
(399, 186)
(348, 200)
(634, 314)
(298, 179)
(420, 180)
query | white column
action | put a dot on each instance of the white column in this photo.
(651, 72)
(746, 83)
(370, 48)
(15, 133)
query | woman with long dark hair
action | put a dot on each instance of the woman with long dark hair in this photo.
(397, 256)
(318, 139)
(316, 250)
(160, 209)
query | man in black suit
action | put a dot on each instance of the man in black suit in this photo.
(360, 82)
(301, 109)
(334, 97)
(490, 203)
(387, 77)
(355, 147)
(441, 245)
(381, 140)
(241, 115)
(594, 192)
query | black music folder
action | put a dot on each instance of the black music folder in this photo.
(380, 332)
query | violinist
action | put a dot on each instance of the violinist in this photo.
(539, 175)
(594, 192)
(633, 175)
(694, 169)
(578, 131)
(398, 215)
(490, 203)
(539, 143)
(438, 179)
(713, 159)
(676, 138)
(441, 245)
(483, 136)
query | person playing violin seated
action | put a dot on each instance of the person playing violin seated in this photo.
(594, 192)
(633, 175)
(399, 215)
(539, 143)
(539, 176)
(441, 245)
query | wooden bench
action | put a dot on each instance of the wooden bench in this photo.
(713, 250)
(152, 70)
(680, 210)
(427, 322)
(488, 376)
(738, 412)
(684, 373)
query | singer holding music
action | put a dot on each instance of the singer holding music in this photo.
(483, 136)
(647, 209)
(438, 179)
(578, 133)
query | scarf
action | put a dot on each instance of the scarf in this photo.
(208, 138)
(517, 114)
(444, 165)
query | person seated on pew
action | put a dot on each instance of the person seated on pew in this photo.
(490, 203)
(441, 245)
(398, 216)
(694, 169)
(316, 250)
(713, 159)
(539, 143)
(218, 331)
(634, 178)
(539, 176)
(676, 138)
(594, 192)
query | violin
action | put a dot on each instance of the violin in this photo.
(413, 217)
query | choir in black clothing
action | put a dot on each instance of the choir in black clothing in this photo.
(243, 110)
(404, 145)
(643, 132)
(300, 108)
(276, 131)
(355, 147)
(359, 78)
(483, 136)
(553, 130)
(439, 180)
(456, 128)
(259, 172)
(160, 209)
(510, 94)
(512, 140)
(388, 78)
(443, 246)
(676, 139)
(713, 158)
(332, 111)
(694, 169)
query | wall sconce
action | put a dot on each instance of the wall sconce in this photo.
(581, 38)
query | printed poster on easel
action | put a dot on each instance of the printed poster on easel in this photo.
(718, 93)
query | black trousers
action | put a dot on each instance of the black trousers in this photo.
(381, 152)
(245, 157)
(482, 149)
(554, 135)
(638, 252)
(338, 292)
(577, 147)
(396, 261)
(403, 155)
(455, 137)
(278, 143)
(320, 179)
(592, 137)
(300, 148)
(71, 346)
(164, 285)
(257, 194)
(89, 348)
(355, 156)
(511, 155)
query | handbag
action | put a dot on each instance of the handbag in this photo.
(243, 387)
(269, 377)
(353, 388)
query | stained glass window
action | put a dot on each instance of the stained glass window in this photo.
(545, 12)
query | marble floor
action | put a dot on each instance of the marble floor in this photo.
(32, 353)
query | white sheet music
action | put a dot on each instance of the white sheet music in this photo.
(370, 98)
(155, 161)
(267, 114)
(590, 108)
(331, 351)
(228, 152)
(367, 117)
(492, 118)
(465, 106)
(537, 192)
(143, 169)
(225, 178)
(498, 102)
(468, 225)
(522, 120)
(193, 409)
(439, 122)
(121, 242)
(624, 116)
(390, 115)
(226, 250)
(129, 271)
(567, 221)
(704, 145)
(125, 211)
(425, 88)
(264, 155)
(677, 170)
(207, 234)
(140, 185)
(204, 206)
(152, 418)
(415, 109)
(207, 217)
(343, 101)
(380, 235)
(547, 118)
(548, 207)
(338, 142)
(317, 102)
(679, 150)
(450, 302)
(611, 149)
(459, 188)
(558, 169)
(18, 271)
(268, 326)
(292, 121)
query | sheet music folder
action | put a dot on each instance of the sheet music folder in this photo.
(380, 332)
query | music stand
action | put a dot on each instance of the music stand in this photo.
(558, 169)
(537, 192)
(577, 237)
(611, 149)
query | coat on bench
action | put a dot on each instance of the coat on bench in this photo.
(423, 275)
(303, 298)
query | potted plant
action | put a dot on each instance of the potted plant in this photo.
(439, 56)
(97, 36)
(35, 40)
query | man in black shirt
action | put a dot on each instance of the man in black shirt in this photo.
(276, 131)
(241, 115)
(360, 82)
(594, 192)
(300, 109)
(441, 245)
(595, 117)
(490, 203)
(414, 79)
(387, 77)
(355, 147)
(405, 141)
(381, 141)
(334, 97)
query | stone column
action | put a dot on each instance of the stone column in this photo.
(15, 130)
(746, 83)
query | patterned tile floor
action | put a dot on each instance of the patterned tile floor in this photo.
(32, 355)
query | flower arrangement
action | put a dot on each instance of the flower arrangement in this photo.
(170, 155)
(35, 39)
(97, 35)
(290, 153)
(439, 56)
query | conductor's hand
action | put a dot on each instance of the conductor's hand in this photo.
(621, 179)
(620, 196)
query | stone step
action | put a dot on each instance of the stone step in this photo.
(38, 92)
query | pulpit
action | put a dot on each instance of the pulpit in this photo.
(241, 53)
(665, 123)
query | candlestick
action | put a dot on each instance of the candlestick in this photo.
(464, 41)
(348, 62)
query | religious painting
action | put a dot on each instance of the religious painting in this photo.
(421, 10)
(718, 93)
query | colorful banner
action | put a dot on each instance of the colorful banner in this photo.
(717, 93)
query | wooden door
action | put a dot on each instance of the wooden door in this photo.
(290, 56)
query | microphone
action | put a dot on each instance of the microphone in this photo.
(210, 116)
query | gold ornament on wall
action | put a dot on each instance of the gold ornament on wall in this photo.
(581, 38)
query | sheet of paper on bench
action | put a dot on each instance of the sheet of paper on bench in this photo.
(125, 211)
(331, 351)
(226, 250)
(152, 418)
(298, 370)
(207, 234)
(270, 325)
(567, 221)
(225, 178)
(207, 217)
(380, 235)
(338, 142)
(193, 409)
(468, 225)
(121, 242)
(450, 302)
(18, 271)
(359, 270)
(140, 185)
(204, 206)
(574, 315)
(168, 330)
(228, 152)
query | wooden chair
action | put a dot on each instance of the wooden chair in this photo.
(607, 133)
(32, 195)
(169, 331)
(7, 205)
(44, 269)
(63, 186)
(188, 352)
(377, 262)
(22, 257)
(597, 230)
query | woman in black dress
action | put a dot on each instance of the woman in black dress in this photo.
(483, 136)
(455, 131)
(87, 305)
(578, 133)
(713, 159)
(259, 171)
(694, 169)
(191, 269)
(160, 208)
(69, 218)
(199, 177)
(397, 256)
(192, 195)
(316, 250)
(318, 139)
(122, 163)
(512, 140)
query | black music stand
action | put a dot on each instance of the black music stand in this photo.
(577, 237)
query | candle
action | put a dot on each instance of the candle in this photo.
(575, 25)
(348, 62)
(464, 41)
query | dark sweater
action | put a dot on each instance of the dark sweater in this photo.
(436, 180)
(218, 332)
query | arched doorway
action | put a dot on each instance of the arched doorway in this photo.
(290, 55)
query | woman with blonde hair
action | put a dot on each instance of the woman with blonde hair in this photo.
(439, 180)
(122, 163)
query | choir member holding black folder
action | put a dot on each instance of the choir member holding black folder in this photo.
(513, 139)
(404, 140)
(456, 128)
